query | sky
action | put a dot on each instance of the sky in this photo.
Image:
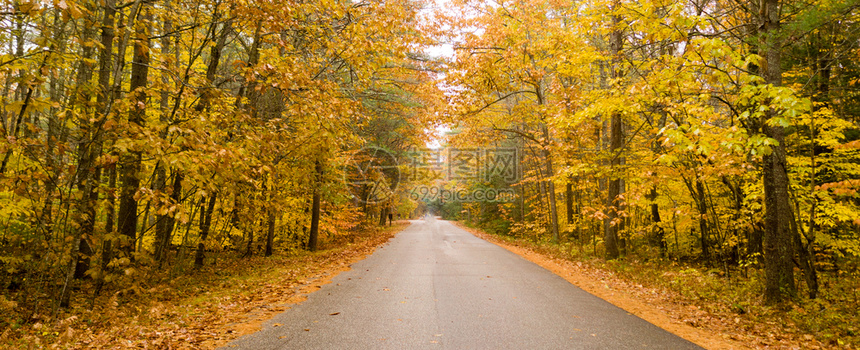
(441, 50)
(444, 50)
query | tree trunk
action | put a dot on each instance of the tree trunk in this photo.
(806, 251)
(778, 240)
(130, 162)
(805, 257)
(214, 59)
(205, 224)
(568, 202)
(553, 207)
(87, 181)
(110, 217)
(704, 229)
(658, 233)
(54, 134)
(383, 213)
(249, 249)
(315, 208)
(737, 208)
(15, 124)
(270, 235)
(548, 182)
(104, 96)
(163, 223)
(164, 229)
(613, 202)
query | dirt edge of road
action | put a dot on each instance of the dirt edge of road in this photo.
(622, 295)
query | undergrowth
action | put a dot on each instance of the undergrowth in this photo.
(182, 307)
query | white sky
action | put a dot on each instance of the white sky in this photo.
(443, 49)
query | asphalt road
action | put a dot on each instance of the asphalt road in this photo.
(435, 286)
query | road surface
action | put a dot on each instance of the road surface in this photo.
(436, 286)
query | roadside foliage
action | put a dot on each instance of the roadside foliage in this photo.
(153, 137)
(718, 133)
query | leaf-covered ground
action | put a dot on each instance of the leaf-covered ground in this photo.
(200, 310)
(710, 310)
(208, 308)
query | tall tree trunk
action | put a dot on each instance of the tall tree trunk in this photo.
(84, 212)
(164, 223)
(704, 229)
(658, 232)
(55, 132)
(130, 162)
(778, 240)
(568, 205)
(104, 96)
(14, 124)
(806, 251)
(613, 202)
(568, 201)
(315, 207)
(89, 173)
(550, 184)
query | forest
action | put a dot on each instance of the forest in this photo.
(722, 134)
(161, 137)
(157, 135)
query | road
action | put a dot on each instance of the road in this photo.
(436, 286)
